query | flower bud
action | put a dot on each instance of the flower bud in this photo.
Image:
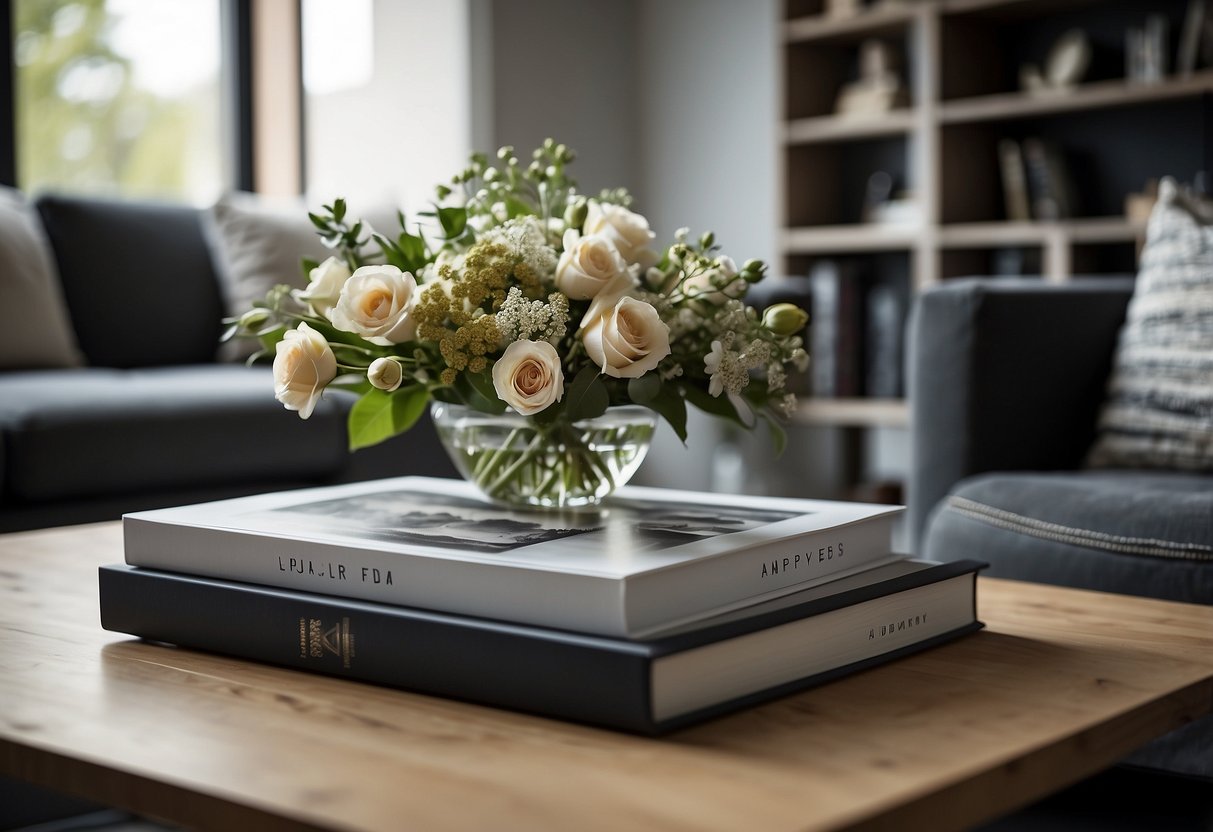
(385, 374)
(575, 214)
(254, 318)
(784, 318)
(505, 152)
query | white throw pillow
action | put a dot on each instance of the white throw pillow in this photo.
(1158, 412)
(35, 327)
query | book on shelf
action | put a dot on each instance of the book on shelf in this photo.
(835, 329)
(1049, 186)
(1014, 181)
(652, 558)
(886, 305)
(649, 686)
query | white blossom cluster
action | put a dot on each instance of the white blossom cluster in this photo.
(520, 319)
(525, 238)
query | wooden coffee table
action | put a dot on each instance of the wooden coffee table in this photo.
(1061, 684)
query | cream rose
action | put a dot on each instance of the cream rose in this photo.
(377, 303)
(627, 230)
(303, 365)
(324, 288)
(627, 341)
(528, 376)
(587, 264)
(608, 296)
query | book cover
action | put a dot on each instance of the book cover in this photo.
(650, 559)
(886, 314)
(648, 686)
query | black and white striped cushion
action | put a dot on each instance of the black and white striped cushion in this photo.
(1159, 407)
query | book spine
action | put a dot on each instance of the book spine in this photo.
(576, 678)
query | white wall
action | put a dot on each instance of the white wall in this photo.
(392, 139)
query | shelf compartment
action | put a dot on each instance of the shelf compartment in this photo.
(842, 128)
(1098, 95)
(883, 413)
(1084, 230)
(881, 21)
(828, 239)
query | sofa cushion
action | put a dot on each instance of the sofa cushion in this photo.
(138, 280)
(1159, 408)
(90, 432)
(1132, 532)
(34, 327)
(257, 244)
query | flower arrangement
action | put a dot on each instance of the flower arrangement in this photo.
(519, 293)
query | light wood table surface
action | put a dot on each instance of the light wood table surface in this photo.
(1060, 685)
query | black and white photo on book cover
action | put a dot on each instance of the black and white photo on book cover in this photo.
(420, 517)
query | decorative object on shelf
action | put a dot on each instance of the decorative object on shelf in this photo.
(1065, 67)
(1139, 206)
(843, 8)
(1146, 51)
(521, 461)
(521, 294)
(883, 206)
(879, 87)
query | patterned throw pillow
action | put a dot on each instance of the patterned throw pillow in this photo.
(1159, 407)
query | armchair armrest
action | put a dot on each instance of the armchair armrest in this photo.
(1006, 375)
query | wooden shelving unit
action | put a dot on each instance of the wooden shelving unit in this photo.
(960, 67)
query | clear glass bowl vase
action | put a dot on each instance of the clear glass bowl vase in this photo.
(517, 461)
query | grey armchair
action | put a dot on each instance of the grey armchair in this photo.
(1006, 379)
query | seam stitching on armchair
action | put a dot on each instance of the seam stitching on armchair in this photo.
(1078, 537)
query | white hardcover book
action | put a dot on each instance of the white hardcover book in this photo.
(650, 559)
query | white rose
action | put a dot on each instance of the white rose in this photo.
(608, 296)
(627, 230)
(587, 264)
(376, 303)
(629, 340)
(324, 288)
(385, 374)
(705, 284)
(303, 365)
(528, 376)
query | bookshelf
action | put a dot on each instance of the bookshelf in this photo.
(960, 67)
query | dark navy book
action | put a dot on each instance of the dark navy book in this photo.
(648, 686)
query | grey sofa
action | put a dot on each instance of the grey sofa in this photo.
(1006, 380)
(153, 418)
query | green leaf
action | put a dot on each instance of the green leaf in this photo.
(453, 221)
(482, 383)
(339, 210)
(318, 221)
(308, 264)
(413, 249)
(515, 207)
(379, 415)
(587, 396)
(670, 405)
(392, 253)
(713, 405)
(269, 340)
(644, 389)
(466, 385)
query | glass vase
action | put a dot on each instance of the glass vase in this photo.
(518, 461)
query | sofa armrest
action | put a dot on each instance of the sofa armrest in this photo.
(1006, 375)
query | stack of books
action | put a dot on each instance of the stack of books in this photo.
(661, 609)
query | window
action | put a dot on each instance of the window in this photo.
(120, 97)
